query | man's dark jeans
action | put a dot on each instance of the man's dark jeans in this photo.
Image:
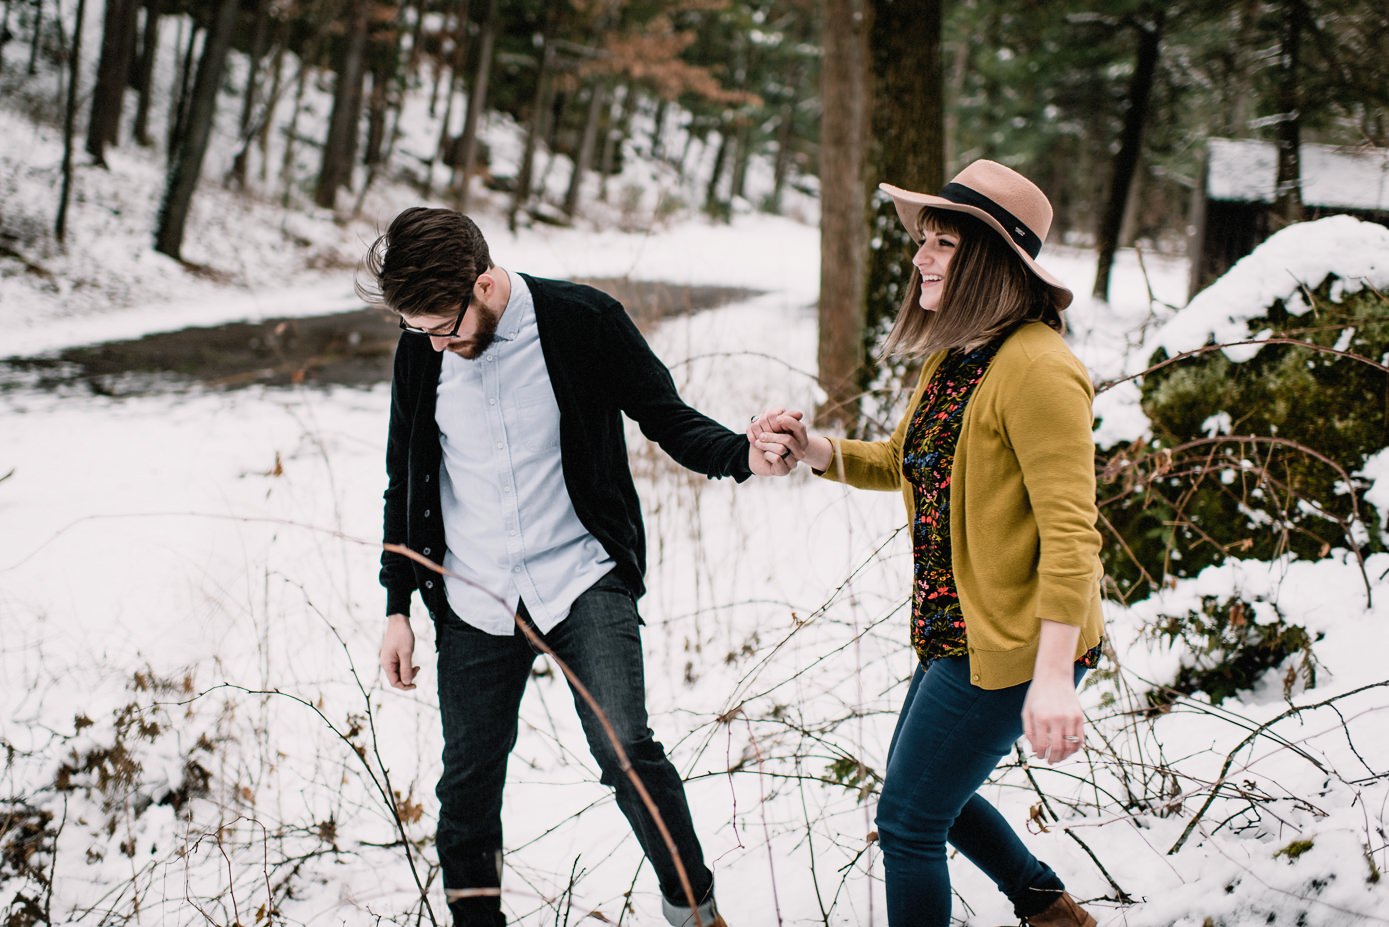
(481, 679)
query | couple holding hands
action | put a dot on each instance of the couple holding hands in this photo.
(994, 459)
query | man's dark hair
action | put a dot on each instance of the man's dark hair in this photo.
(425, 264)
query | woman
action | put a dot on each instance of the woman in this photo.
(996, 463)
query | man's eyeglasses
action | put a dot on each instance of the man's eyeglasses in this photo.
(452, 332)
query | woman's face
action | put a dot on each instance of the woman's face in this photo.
(933, 260)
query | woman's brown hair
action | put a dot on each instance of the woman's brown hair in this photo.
(988, 290)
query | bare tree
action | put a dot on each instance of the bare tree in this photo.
(340, 148)
(477, 99)
(843, 218)
(1287, 202)
(535, 125)
(60, 225)
(144, 74)
(113, 72)
(583, 158)
(192, 145)
(1130, 146)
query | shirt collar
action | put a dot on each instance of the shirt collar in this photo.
(519, 311)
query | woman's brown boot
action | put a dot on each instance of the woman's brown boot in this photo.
(1063, 912)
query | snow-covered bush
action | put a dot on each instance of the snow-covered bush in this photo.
(1263, 418)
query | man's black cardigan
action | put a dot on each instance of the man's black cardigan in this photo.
(600, 366)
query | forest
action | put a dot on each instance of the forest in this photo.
(193, 405)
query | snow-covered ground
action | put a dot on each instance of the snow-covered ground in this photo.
(187, 588)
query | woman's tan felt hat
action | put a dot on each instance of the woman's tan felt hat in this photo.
(999, 196)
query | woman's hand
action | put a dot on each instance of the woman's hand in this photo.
(1052, 719)
(1051, 714)
(784, 434)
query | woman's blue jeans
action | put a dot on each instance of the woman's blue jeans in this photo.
(481, 680)
(949, 738)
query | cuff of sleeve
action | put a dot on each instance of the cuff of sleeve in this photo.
(1065, 599)
(398, 602)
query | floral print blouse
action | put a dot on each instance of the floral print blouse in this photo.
(928, 456)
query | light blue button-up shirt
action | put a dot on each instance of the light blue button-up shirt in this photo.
(509, 523)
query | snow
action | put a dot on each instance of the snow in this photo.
(1296, 259)
(1246, 171)
(157, 565)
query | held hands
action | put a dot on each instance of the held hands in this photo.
(398, 652)
(770, 458)
(778, 440)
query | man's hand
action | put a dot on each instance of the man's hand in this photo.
(397, 652)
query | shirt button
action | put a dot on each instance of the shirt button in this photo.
(975, 677)
(499, 445)
(491, 402)
(425, 551)
(516, 569)
(506, 489)
(429, 584)
(426, 513)
(426, 477)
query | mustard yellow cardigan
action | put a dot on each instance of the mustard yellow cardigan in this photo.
(1022, 501)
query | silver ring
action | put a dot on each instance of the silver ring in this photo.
(1071, 739)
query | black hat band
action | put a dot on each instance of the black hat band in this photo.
(1024, 236)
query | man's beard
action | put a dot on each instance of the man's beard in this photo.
(481, 338)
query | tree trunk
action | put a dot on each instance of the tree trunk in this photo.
(36, 39)
(583, 158)
(188, 159)
(743, 155)
(1287, 200)
(539, 105)
(340, 147)
(458, 60)
(658, 128)
(60, 225)
(113, 71)
(292, 131)
(844, 90)
(144, 79)
(781, 166)
(416, 30)
(907, 128)
(261, 9)
(617, 134)
(378, 107)
(272, 102)
(178, 101)
(713, 205)
(5, 32)
(1130, 149)
(477, 100)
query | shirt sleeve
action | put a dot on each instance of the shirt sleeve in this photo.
(1048, 423)
(646, 392)
(397, 573)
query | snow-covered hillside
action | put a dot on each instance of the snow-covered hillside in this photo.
(196, 731)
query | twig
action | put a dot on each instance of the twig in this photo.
(1121, 895)
(1258, 731)
(623, 762)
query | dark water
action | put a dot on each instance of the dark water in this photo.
(349, 348)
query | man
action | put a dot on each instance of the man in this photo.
(507, 466)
